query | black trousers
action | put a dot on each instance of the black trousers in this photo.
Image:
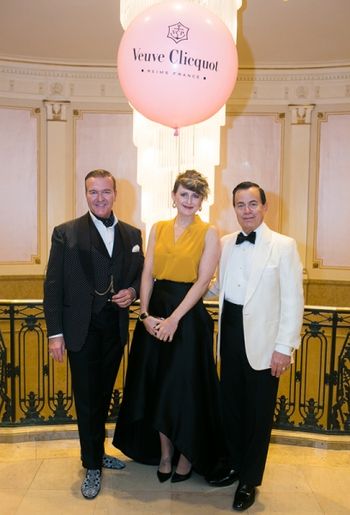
(248, 401)
(94, 369)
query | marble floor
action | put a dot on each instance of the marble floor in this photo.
(43, 477)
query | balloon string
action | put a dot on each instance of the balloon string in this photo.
(176, 132)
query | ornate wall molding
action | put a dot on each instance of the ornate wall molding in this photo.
(304, 75)
(20, 127)
(81, 83)
(81, 72)
(301, 114)
(56, 110)
(300, 99)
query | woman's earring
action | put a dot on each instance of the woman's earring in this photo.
(174, 204)
(200, 209)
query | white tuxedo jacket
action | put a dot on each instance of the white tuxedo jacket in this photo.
(274, 303)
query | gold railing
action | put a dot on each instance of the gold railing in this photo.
(313, 396)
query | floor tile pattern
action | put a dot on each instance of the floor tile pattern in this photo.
(44, 477)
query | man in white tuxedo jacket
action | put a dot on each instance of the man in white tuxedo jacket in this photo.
(261, 310)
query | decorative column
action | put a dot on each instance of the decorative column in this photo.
(296, 177)
(59, 181)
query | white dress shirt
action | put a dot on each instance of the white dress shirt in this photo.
(239, 269)
(107, 233)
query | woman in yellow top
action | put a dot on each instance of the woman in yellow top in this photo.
(170, 410)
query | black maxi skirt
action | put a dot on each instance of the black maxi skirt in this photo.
(172, 387)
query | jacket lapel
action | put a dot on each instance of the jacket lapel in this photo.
(118, 246)
(121, 243)
(84, 246)
(261, 255)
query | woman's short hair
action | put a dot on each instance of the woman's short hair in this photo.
(193, 181)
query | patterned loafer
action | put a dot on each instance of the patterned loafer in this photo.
(111, 462)
(91, 485)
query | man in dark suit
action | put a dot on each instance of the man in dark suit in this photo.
(93, 275)
(261, 311)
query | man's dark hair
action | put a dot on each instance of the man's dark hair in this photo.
(245, 186)
(101, 173)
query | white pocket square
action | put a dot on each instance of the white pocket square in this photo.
(136, 248)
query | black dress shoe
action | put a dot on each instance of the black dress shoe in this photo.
(222, 477)
(177, 478)
(163, 476)
(244, 497)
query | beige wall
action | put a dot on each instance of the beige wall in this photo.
(287, 130)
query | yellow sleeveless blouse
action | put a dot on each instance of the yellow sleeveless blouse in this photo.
(178, 260)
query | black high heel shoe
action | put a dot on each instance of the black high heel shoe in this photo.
(177, 478)
(163, 476)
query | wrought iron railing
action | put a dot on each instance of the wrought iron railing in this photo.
(313, 396)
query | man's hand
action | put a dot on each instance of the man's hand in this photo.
(279, 363)
(124, 298)
(57, 348)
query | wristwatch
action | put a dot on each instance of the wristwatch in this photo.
(143, 316)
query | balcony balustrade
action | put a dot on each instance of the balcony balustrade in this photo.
(314, 395)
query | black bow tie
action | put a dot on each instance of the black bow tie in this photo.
(241, 238)
(108, 222)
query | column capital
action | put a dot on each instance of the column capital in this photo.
(56, 110)
(301, 113)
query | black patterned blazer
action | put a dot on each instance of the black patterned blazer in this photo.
(68, 286)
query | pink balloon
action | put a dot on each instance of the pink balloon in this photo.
(177, 63)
